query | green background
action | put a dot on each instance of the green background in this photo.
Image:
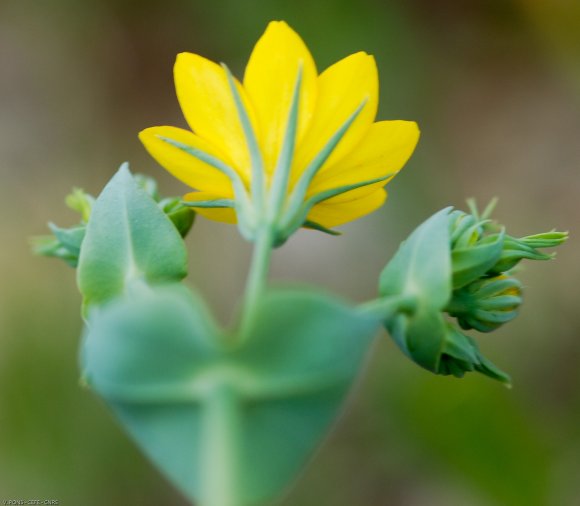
(495, 87)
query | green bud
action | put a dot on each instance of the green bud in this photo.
(81, 202)
(454, 262)
(515, 250)
(473, 252)
(460, 354)
(180, 214)
(438, 346)
(65, 243)
(465, 229)
(149, 185)
(486, 304)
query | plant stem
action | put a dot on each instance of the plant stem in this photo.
(220, 448)
(388, 307)
(257, 276)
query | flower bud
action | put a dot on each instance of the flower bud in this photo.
(473, 252)
(181, 215)
(65, 243)
(515, 250)
(460, 354)
(465, 229)
(149, 185)
(486, 304)
(80, 202)
(455, 262)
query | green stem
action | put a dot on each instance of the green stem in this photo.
(257, 276)
(220, 451)
(387, 308)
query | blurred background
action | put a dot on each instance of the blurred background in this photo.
(495, 87)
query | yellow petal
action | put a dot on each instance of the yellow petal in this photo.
(342, 88)
(185, 167)
(225, 215)
(269, 81)
(338, 210)
(209, 107)
(383, 152)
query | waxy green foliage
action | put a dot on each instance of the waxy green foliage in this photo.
(422, 265)
(421, 269)
(128, 237)
(156, 356)
(241, 411)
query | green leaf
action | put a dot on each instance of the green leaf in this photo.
(420, 336)
(70, 238)
(157, 359)
(128, 237)
(422, 266)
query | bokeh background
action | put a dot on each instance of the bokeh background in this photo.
(495, 87)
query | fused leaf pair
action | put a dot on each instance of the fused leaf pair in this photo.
(154, 353)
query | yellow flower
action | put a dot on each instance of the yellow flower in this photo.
(286, 146)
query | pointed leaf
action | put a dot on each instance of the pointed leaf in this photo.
(422, 267)
(128, 237)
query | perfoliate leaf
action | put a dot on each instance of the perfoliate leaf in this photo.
(157, 358)
(128, 237)
(420, 336)
(422, 265)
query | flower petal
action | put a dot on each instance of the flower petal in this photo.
(207, 103)
(185, 167)
(225, 215)
(342, 88)
(338, 210)
(269, 81)
(383, 152)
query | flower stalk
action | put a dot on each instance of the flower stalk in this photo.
(257, 277)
